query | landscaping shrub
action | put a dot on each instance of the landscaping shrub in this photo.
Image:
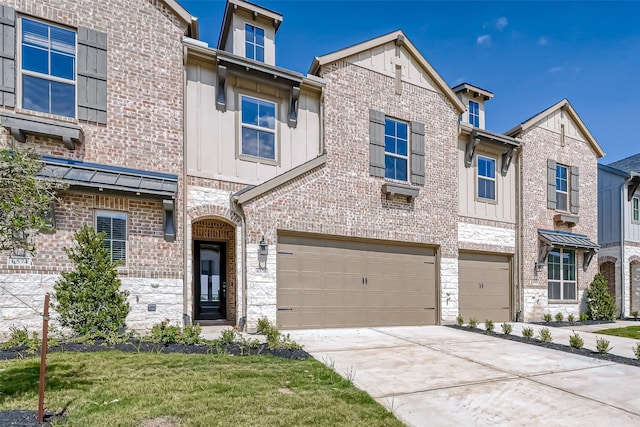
(460, 320)
(583, 317)
(172, 334)
(576, 341)
(600, 303)
(228, 336)
(544, 335)
(488, 325)
(527, 332)
(559, 317)
(473, 323)
(571, 318)
(506, 328)
(275, 339)
(547, 317)
(636, 351)
(89, 299)
(634, 313)
(602, 345)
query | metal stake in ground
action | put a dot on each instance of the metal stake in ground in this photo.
(43, 358)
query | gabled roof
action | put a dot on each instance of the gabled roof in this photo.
(566, 106)
(183, 14)
(629, 164)
(233, 5)
(399, 36)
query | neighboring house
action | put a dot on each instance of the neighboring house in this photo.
(96, 89)
(619, 231)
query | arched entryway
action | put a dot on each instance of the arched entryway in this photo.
(214, 270)
(634, 272)
(608, 270)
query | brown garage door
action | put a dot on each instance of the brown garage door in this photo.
(484, 283)
(324, 283)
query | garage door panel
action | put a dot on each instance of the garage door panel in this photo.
(484, 286)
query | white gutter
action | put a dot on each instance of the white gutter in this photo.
(185, 191)
(623, 261)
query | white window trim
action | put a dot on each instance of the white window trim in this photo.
(494, 179)
(568, 172)
(635, 200)
(399, 156)
(276, 151)
(254, 44)
(562, 280)
(20, 71)
(112, 214)
(471, 121)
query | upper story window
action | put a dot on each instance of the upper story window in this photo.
(395, 149)
(562, 193)
(47, 68)
(561, 267)
(635, 209)
(258, 128)
(486, 178)
(254, 42)
(474, 114)
(114, 225)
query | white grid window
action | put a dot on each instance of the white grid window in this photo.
(486, 178)
(635, 207)
(474, 114)
(561, 265)
(114, 225)
(562, 187)
(254, 42)
(258, 128)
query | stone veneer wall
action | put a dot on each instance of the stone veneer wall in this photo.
(631, 256)
(539, 145)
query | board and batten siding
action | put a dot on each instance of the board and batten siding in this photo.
(609, 207)
(213, 137)
(504, 207)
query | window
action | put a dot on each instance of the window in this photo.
(635, 209)
(395, 149)
(562, 274)
(474, 114)
(486, 178)
(48, 68)
(258, 128)
(562, 194)
(114, 225)
(254, 42)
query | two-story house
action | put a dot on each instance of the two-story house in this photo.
(96, 89)
(619, 231)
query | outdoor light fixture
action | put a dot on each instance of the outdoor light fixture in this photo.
(263, 252)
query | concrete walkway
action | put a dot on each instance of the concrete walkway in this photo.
(439, 376)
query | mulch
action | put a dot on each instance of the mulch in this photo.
(555, 346)
(22, 418)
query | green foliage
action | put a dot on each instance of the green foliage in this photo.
(275, 339)
(19, 337)
(191, 335)
(544, 335)
(24, 200)
(506, 328)
(473, 323)
(634, 313)
(559, 317)
(636, 351)
(488, 325)
(576, 341)
(600, 303)
(547, 317)
(263, 325)
(228, 336)
(165, 332)
(602, 345)
(89, 299)
(583, 317)
(460, 320)
(571, 318)
(527, 332)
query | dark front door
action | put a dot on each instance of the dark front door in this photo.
(210, 281)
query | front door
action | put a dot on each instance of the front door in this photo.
(210, 281)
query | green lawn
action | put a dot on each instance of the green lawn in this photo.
(118, 389)
(628, 332)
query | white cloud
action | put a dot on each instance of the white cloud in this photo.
(555, 69)
(542, 41)
(501, 23)
(484, 39)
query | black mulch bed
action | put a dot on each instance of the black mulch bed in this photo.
(636, 319)
(564, 323)
(22, 418)
(134, 346)
(555, 346)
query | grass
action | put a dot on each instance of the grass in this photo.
(627, 332)
(119, 389)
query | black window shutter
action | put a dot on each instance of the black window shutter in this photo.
(417, 153)
(376, 143)
(92, 75)
(575, 190)
(551, 184)
(8, 56)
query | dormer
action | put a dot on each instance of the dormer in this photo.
(249, 31)
(474, 98)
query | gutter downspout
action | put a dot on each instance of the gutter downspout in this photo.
(237, 209)
(623, 262)
(185, 219)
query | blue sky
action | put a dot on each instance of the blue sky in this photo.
(529, 54)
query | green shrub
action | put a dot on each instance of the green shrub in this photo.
(473, 323)
(89, 299)
(547, 317)
(228, 336)
(602, 345)
(460, 320)
(634, 313)
(527, 332)
(275, 340)
(506, 328)
(571, 318)
(583, 317)
(488, 325)
(191, 335)
(636, 351)
(17, 337)
(165, 332)
(576, 341)
(600, 303)
(263, 325)
(544, 335)
(559, 317)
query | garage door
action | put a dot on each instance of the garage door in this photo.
(325, 283)
(484, 283)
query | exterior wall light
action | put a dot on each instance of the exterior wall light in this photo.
(263, 253)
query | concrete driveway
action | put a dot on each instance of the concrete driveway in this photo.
(439, 376)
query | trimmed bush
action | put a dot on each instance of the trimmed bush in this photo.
(506, 328)
(527, 332)
(547, 317)
(600, 304)
(602, 345)
(576, 341)
(488, 325)
(559, 317)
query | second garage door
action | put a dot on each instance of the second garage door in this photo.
(484, 283)
(325, 283)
